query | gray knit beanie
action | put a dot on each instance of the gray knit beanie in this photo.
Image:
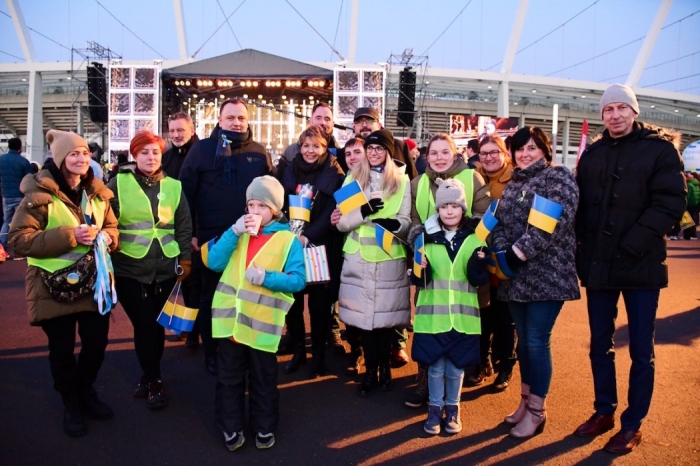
(619, 93)
(267, 190)
(450, 191)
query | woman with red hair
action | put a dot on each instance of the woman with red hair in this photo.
(154, 221)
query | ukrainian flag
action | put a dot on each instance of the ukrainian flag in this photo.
(86, 207)
(300, 208)
(502, 266)
(492, 266)
(384, 238)
(350, 197)
(544, 214)
(418, 255)
(487, 223)
(204, 250)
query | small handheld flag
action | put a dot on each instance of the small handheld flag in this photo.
(487, 223)
(204, 250)
(503, 265)
(544, 214)
(418, 255)
(86, 207)
(299, 208)
(384, 238)
(350, 197)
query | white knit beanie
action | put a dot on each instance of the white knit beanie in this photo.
(619, 93)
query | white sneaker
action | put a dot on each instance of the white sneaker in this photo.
(234, 441)
(673, 238)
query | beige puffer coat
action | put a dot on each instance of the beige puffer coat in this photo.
(375, 294)
(28, 238)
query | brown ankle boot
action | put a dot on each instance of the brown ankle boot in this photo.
(533, 421)
(517, 415)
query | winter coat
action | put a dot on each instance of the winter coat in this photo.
(327, 178)
(215, 187)
(13, 167)
(461, 349)
(632, 192)
(154, 266)
(549, 273)
(29, 239)
(693, 197)
(375, 294)
(497, 183)
(174, 157)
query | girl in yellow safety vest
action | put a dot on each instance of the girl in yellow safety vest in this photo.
(263, 265)
(447, 322)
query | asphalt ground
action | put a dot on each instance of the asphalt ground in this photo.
(323, 421)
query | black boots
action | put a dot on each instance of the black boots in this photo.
(318, 366)
(385, 381)
(92, 407)
(298, 359)
(73, 422)
(368, 383)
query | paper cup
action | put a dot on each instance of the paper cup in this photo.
(258, 221)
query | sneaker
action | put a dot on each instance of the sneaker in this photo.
(452, 423)
(419, 396)
(156, 395)
(141, 390)
(673, 238)
(432, 424)
(693, 238)
(264, 441)
(234, 441)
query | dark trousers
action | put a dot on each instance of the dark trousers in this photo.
(69, 374)
(353, 335)
(641, 308)
(498, 336)
(238, 363)
(143, 303)
(209, 280)
(320, 314)
(376, 345)
(191, 290)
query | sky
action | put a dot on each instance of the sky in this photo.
(559, 38)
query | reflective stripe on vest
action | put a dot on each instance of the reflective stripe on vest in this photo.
(251, 314)
(425, 200)
(449, 301)
(363, 237)
(137, 227)
(60, 215)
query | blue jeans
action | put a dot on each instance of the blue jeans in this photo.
(445, 383)
(9, 206)
(534, 322)
(641, 308)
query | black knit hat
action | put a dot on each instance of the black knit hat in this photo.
(382, 137)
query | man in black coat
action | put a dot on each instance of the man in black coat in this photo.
(215, 176)
(181, 132)
(632, 191)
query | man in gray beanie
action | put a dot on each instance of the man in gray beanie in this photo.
(632, 192)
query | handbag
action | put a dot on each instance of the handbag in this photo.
(73, 282)
(175, 316)
(316, 262)
(686, 221)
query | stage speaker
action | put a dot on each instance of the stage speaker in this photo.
(407, 98)
(97, 93)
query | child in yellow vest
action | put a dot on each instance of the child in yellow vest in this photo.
(263, 265)
(447, 325)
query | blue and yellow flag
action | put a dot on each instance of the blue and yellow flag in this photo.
(350, 197)
(502, 266)
(204, 250)
(384, 239)
(86, 207)
(299, 208)
(487, 223)
(544, 214)
(418, 255)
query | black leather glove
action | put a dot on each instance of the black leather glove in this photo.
(477, 273)
(374, 206)
(512, 259)
(389, 224)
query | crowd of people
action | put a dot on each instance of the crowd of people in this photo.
(212, 217)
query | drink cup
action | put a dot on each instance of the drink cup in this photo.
(258, 221)
(376, 195)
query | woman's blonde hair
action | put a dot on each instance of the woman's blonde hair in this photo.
(392, 175)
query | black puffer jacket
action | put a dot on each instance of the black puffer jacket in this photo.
(632, 193)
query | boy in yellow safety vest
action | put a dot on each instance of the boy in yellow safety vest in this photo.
(263, 265)
(447, 322)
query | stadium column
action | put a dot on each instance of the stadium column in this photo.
(35, 120)
(503, 110)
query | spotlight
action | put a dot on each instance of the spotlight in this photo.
(245, 96)
(259, 96)
(199, 82)
(255, 84)
(187, 83)
(322, 83)
(230, 83)
(222, 97)
(278, 84)
(248, 83)
(194, 95)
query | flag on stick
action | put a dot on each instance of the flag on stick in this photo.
(418, 255)
(350, 197)
(544, 214)
(488, 222)
(384, 238)
(299, 208)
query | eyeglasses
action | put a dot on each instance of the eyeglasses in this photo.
(493, 154)
(440, 155)
(365, 121)
(377, 149)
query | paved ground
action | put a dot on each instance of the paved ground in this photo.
(323, 421)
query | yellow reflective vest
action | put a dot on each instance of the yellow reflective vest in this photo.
(252, 314)
(60, 215)
(137, 227)
(363, 237)
(449, 301)
(425, 201)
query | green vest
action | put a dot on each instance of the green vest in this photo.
(425, 201)
(252, 314)
(59, 216)
(363, 237)
(137, 227)
(449, 301)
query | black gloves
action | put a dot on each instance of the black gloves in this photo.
(477, 273)
(389, 224)
(372, 207)
(512, 259)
